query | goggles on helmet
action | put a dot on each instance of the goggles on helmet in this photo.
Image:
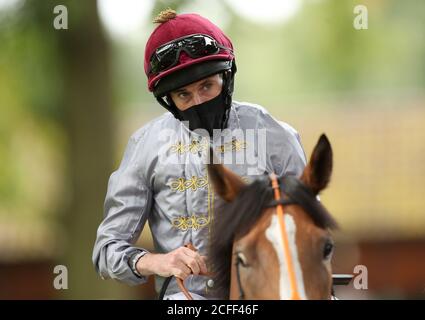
(195, 45)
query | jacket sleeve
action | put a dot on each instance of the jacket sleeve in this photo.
(286, 155)
(126, 209)
(295, 161)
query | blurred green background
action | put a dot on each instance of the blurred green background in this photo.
(70, 99)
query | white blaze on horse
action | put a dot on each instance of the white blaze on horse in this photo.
(271, 239)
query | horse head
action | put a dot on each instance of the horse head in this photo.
(273, 241)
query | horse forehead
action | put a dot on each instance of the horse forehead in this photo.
(299, 217)
(257, 232)
(303, 221)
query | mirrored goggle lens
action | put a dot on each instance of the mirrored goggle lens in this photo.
(196, 46)
(201, 46)
(164, 61)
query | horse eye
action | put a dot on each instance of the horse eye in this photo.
(241, 259)
(328, 249)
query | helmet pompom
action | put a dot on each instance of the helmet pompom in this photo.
(165, 15)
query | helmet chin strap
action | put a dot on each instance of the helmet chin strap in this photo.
(228, 81)
(168, 104)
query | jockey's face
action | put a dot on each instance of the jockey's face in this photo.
(197, 92)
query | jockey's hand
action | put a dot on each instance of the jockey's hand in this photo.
(180, 262)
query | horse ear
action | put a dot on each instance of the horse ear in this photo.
(317, 173)
(226, 183)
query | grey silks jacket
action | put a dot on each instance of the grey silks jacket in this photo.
(163, 179)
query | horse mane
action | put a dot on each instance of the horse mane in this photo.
(236, 218)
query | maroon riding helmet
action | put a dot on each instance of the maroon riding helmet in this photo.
(183, 50)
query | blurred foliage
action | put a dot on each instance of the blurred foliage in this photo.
(318, 52)
(30, 138)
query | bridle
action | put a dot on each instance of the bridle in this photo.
(278, 203)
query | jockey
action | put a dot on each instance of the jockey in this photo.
(162, 178)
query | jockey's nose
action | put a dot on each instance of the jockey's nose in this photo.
(197, 99)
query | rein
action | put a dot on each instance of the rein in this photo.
(289, 263)
(179, 281)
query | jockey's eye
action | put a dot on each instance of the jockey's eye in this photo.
(328, 249)
(241, 259)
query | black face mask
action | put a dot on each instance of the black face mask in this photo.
(209, 115)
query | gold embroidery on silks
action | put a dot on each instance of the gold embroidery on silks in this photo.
(234, 145)
(210, 215)
(178, 148)
(196, 222)
(197, 146)
(193, 183)
(193, 147)
(192, 222)
(246, 179)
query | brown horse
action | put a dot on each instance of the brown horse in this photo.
(271, 239)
